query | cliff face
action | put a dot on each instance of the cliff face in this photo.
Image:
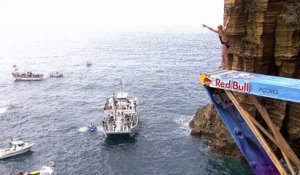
(265, 38)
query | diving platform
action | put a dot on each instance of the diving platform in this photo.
(281, 88)
(248, 134)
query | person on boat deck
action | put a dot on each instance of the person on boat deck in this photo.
(114, 125)
(111, 119)
(91, 124)
(9, 142)
(106, 106)
(221, 31)
(127, 121)
(105, 124)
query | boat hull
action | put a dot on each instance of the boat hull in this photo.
(92, 129)
(56, 75)
(130, 133)
(28, 79)
(117, 135)
(8, 154)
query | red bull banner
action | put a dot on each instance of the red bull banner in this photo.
(257, 84)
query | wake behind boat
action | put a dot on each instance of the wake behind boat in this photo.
(120, 115)
(28, 76)
(15, 148)
(45, 170)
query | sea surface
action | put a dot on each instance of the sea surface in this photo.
(159, 65)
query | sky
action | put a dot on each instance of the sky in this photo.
(113, 13)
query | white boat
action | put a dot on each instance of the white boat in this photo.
(28, 76)
(56, 75)
(120, 115)
(16, 148)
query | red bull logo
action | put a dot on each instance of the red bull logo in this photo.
(204, 79)
(207, 80)
(232, 85)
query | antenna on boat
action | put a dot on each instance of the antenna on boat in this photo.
(121, 84)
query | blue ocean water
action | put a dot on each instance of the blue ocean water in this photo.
(159, 65)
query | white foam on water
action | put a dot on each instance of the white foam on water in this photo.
(183, 122)
(3, 110)
(83, 129)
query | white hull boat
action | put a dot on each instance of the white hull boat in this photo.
(28, 76)
(56, 75)
(16, 148)
(120, 115)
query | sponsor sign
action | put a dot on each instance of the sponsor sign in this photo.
(257, 84)
(230, 84)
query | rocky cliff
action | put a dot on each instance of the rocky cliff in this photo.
(265, 38)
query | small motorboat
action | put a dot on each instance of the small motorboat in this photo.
(88, 63)
(15, 148)
(45, 170)
(27, 76)
(56, 75)
(92, 127)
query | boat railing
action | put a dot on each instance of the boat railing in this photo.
(6, 150)
(126, 111)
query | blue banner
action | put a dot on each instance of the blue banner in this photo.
(281, 88)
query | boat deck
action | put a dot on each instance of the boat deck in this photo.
(120, 115)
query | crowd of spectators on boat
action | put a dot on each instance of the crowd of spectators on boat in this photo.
(109, 105)
(114, 104)
(109, 124)
(27, 75)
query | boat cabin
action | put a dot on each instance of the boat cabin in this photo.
(17, 143)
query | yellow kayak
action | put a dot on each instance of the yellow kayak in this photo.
(34, 173)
